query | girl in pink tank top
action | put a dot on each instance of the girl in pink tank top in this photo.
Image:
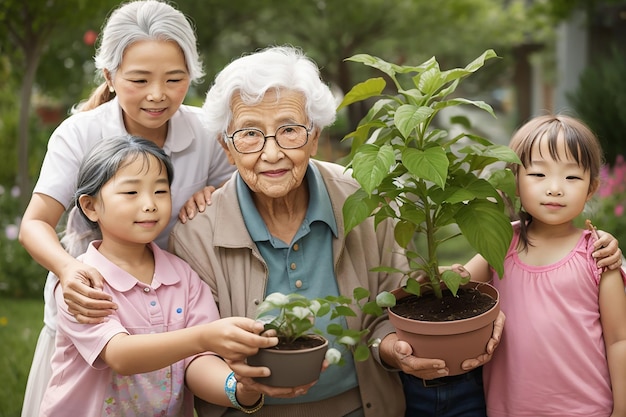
(563, 348)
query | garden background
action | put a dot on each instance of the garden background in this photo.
(556, 55)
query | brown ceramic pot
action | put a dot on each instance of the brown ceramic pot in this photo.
(452, 341)
(291, 368)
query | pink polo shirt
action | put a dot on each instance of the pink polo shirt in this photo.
(82, 384)
(551, 360)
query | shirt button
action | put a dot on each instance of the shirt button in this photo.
(152, 303)
(298, 284)
(146, 289)
(296, 247)
(293, 265)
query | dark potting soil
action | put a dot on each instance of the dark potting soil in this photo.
(300, 343)
(468, 303)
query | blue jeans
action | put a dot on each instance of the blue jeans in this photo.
(455, 396)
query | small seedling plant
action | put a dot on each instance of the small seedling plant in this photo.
(293, 316)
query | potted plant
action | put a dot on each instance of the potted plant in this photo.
(432, 182)
(302, 347)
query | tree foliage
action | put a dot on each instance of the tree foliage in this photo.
(330, 31)
(600, 100)
(49, 33)
(27, 27)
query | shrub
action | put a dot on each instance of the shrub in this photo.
(600, 100)
(607, 208)
(20, 275)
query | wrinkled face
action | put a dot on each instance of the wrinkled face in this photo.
(553, 192)
(151, 84)
(272, 172)
(135, 205)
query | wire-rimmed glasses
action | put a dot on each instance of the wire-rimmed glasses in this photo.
(251, 139)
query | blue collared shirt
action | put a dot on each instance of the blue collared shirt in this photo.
(304, 266)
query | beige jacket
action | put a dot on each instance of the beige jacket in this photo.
(218, 247)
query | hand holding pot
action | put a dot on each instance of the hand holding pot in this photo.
(246, 374)
(397, 353)
(498, 325)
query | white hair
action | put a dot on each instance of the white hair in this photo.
(142, 20)
(251, 76)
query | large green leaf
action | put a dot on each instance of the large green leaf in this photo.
(430, 164)
(357, 208)
(375, 62)
(453, 280)
(479, 188)
(362, 91)
(404, 232)
(457, 101)
(408, 117)
(372, 164)
(488, 230)
(476, 64)
(457, 73)
(430, 81)
(504, 180)
(410, 212)
(495, 152)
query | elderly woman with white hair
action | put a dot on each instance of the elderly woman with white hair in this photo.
(277, 226)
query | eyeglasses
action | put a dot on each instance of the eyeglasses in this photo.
(251, 139)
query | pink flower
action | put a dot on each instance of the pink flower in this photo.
(11, 231)
(619, 210)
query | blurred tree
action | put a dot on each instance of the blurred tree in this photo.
(559, 10)
(330, 31)
(27, 27)
(600, 100)
(50, 33)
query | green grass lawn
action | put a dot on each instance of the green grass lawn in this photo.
(20, 324)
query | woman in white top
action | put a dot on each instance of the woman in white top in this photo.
(148, 59)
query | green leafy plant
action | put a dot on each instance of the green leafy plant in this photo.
(427, 177)
(293, 316)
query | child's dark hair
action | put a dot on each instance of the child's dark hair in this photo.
(580, 143)
(100, 165)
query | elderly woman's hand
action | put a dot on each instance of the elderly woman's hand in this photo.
(196, 204)
(399, 354)
(245, 373)
(82, 292)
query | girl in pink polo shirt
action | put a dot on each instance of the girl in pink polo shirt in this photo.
(563, 348)
(150, 356)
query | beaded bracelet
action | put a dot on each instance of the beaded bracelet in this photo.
(230, 387)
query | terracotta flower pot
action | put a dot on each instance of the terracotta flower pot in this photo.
(291, 368)
(452, 341)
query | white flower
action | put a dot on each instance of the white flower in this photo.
(277, 299)
(272, 301)
(333, 356)
(301, 312)
(385, 299)
(347, 340)
(315, 306)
